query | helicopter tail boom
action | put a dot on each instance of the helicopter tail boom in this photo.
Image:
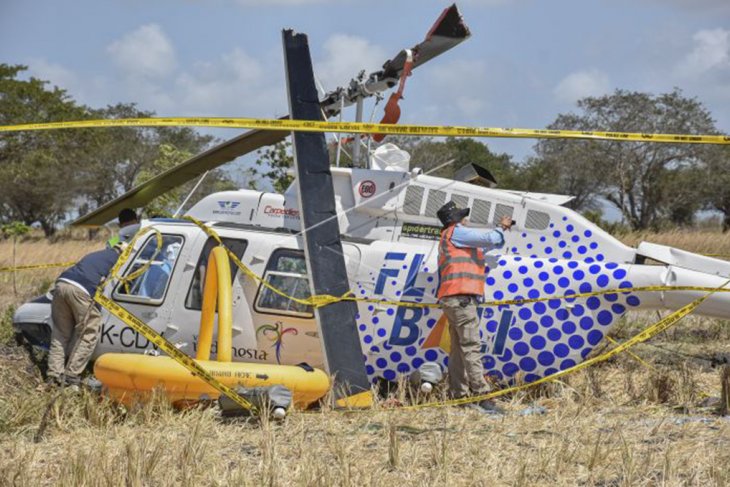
(682, 269)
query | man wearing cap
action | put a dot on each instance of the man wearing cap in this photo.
(128, 227)
(76, 318)
(461, 287)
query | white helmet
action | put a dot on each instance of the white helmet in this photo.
(171, 251)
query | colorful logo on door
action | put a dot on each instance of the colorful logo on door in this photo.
(275, 334)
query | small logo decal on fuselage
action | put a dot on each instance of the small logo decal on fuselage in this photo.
(227, 208)
(367, 188)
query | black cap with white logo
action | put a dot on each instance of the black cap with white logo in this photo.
(450, 213)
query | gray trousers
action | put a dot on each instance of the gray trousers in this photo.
(76, 330)
(466, 372)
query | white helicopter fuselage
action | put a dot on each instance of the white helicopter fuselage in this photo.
(389, 238)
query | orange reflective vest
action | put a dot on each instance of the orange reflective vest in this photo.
(461, 270)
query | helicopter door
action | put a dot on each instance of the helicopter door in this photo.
(149, 296)
(286, 329)
(189, 300)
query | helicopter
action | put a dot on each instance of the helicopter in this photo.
(384, 217)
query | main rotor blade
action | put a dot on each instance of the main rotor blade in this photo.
(182, 173)
(448, 31)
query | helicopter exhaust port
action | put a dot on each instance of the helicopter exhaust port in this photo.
(427, 375)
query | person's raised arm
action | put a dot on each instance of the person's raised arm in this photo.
(481, 238)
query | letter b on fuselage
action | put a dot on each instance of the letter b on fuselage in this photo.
(405, 326)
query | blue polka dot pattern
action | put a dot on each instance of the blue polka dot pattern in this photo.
(540, 339)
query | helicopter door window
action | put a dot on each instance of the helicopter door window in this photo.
(194, 299)
(286, 271)
(150, 287)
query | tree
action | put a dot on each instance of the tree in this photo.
(36, 167)
(567, 167)
(274, 163)
(166, 204)
(642, 180)
(119, 154)
(717, 182)
(429, 154)
(45, 174)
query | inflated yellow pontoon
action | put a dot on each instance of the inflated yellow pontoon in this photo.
(131, 377)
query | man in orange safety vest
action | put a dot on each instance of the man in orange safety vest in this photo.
(461, 287)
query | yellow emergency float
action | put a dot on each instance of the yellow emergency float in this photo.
(128, 378)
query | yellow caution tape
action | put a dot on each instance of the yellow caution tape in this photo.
(642, 336)
(35, 266)
(320, 300)
(150, 334)
(188, 362)
(366, 128)
(633, 355)
(128, 251)
(163, 344)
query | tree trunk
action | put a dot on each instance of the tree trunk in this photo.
(48, 228)
(15, 287)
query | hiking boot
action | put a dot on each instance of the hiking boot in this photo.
(72, 383)
(52, 382)
(474, 407)
(92, 384)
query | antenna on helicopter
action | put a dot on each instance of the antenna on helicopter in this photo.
(192, 191)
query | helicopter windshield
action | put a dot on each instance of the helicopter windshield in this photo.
(153, 282)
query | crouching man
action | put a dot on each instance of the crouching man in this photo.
(461, 287)
(76, 317)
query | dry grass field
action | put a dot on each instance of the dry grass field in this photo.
(644, 420)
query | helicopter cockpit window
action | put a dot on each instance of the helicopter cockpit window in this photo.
(194, 299)
(150, 287)
(286, 271)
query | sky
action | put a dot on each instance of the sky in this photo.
(526, 62)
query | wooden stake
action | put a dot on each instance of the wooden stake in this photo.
(725, 387)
